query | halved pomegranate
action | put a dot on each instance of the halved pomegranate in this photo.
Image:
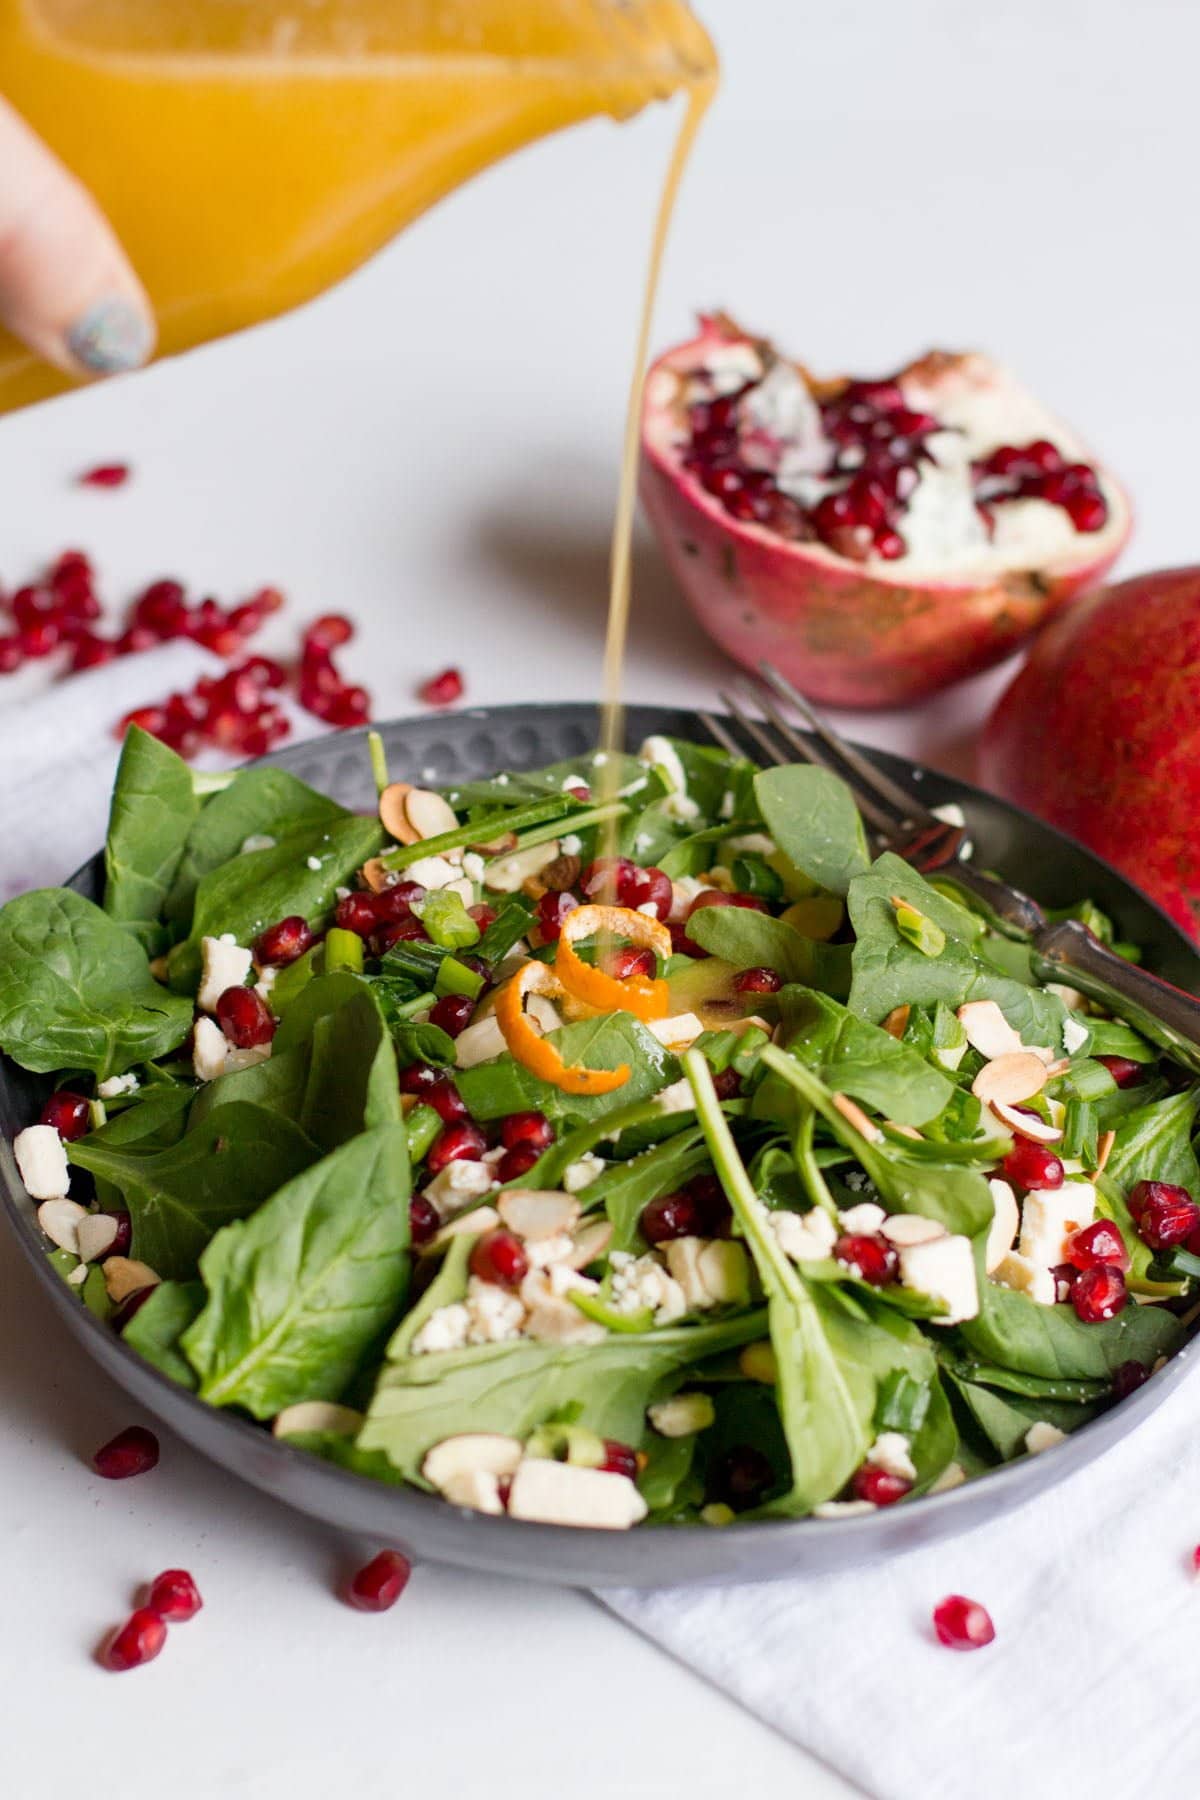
(875, 540)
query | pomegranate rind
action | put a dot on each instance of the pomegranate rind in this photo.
(846, 633)
(1099, 734)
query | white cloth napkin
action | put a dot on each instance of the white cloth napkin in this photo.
(1089, 1687)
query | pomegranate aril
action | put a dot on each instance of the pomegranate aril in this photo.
(133, 1303)
(552, 910)
(727, 1085)
(134, 640)
(1164, 1213)
(423, 1219)
(483, 915)
(515, 1163)
(878, 1486)
(443, 689)
(68, 1113)
(757, 981)
(532, 1128)
(874, 1258)
(626, 962)
(380, 1583)
(1124, 1071)
(741, 1477)
(1127, 1377)
(418, 1078)
(607, 879)
(445, 1099)
(246, 619)
(285, 941)
(1088, 512)
(138, 1641)
(329, 632)
(11, 654)
(106, 475)
(245, 1018)
(1098, 1244)
(404, 930)
(40, 639)
(89, 652)
(357, 913)
(499, 1257)
(133, 1451)
(452, 1013)
(648, 887)
(395, 902)
(962, 1624)
(672, 1216)
(460, 1142)
(32, 606)
(174, 1596)
(1098, 1293)
(162, 608)
(1032, 1165)
(351, 707)
(620, 1459)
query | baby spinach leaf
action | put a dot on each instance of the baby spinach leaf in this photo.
(811, 814)
(158, 1324)
(1154, 1143)
(76, 990)
(153, 806)
(258, 802)
(219, 1170)
(515, 1386)
(754, 940)
(277, 1084)
(1016, 1381)
(1006, 1418)
(493, 1089)
(627, 1187)
(336, 1447)
(352, 1078)
(298, 1292)
(1014, 1332)
(256, 887)
(854, 1057)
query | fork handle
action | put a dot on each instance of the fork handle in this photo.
(1070, 954)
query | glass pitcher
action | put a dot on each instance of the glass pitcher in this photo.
(250, 153)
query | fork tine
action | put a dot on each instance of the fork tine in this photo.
(752, 728)
(904, 807)
(716, 729)
(884, 820)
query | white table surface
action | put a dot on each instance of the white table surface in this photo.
(433, 449)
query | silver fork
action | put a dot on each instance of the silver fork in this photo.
(1066, 952)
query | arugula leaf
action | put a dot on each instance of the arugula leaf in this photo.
(153, 806)
(76, 990)
(258, 802)
(158, 1324)
(1014, 1332)
(256, 887)
(492, 1090)
(854, 1057)
(219, 1170)
(298, 1292)
(811, 814)
(754, 940)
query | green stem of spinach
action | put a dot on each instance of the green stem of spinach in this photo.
(580, 821)
(379, 768)
(481, 831)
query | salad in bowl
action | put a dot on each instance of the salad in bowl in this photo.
(616, 1144)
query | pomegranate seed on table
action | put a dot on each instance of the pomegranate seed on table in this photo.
(11, 654)
(1124, 1071)
(40, 639)
(1127, 1378)
(532, 1128)
(1031, 1165)
(138, 1641)
(1164, 1213)
(68, 1113)
(1097, 1244)
(517, 1162)
(499, 1258)
(460, 1142)
(878, 1486)
(133, 1451)
(379, 1584)
(106, 475)
(89, 652)
(758, 981)
(443, 689)
(620, 1459)
(245, 1018)
(174, 1596)
(329, 632)
(452, 1013)
(962, 1624)
(285, 941)
(874, 1258)
(1098, 1293)
(423, 1219)
(134, 639)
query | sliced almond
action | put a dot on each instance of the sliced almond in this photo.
(1006, 1219)
(471, 1453)
(123, 1275)
(506, 874)
(908, 1131)
(896, 1022)
(479, 1043)
(483, 1218)
(854, 1115)
(393, 814)
(497, 846)
(538, 1212)
(428, 814)
(567, 1494)
(1026, 1124)
(376, 876)
(987, 1029)
(317, 1415)
(1011, 1078)
(591, 1241)
(60, 1220)
(543, 1012)
(1104, 1145)
(97, 1234)
(911, 1228)
(477, 1489)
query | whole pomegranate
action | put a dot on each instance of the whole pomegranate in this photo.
(875, 540)
(1100, 733)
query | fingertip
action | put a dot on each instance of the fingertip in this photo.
(110, 336)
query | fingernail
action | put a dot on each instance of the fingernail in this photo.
(111, 336)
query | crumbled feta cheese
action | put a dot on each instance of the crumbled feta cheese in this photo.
(432, 872)
(224, 964)
(662, 755)
(711, 1271)
(857, 1180)
(600, 758)
(1074, 1036)
(543, 1252)
(258, 840)
(952, 1476)
(676, 1098)
(571, 844)
(843, 1509)
(1025, 1277)
(638, 1282)
(726, 809)
(477, 1488)
(209, 1045)
(118, 1084)
(943, 1269)
(681, 808)
(863, 1220)
(236, 1058)
(683, 1415)
(341, 893)
(751, 843)
(805, 1237)
(267, 977)
(892, 1452)
(1043, 1436)
(551, 1316)
(582, 1173)
(1050, 1216)
(648, 909)
(677, 1033)
(457, 1183)
(444, 1329)
(473, 865)
(643, 842)
(314, 863)
(42, 1161)
(494, 1314)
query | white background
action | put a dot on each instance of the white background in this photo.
(433, 448)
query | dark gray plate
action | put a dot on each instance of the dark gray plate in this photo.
(442, 749)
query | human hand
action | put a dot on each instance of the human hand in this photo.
(66, 286)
